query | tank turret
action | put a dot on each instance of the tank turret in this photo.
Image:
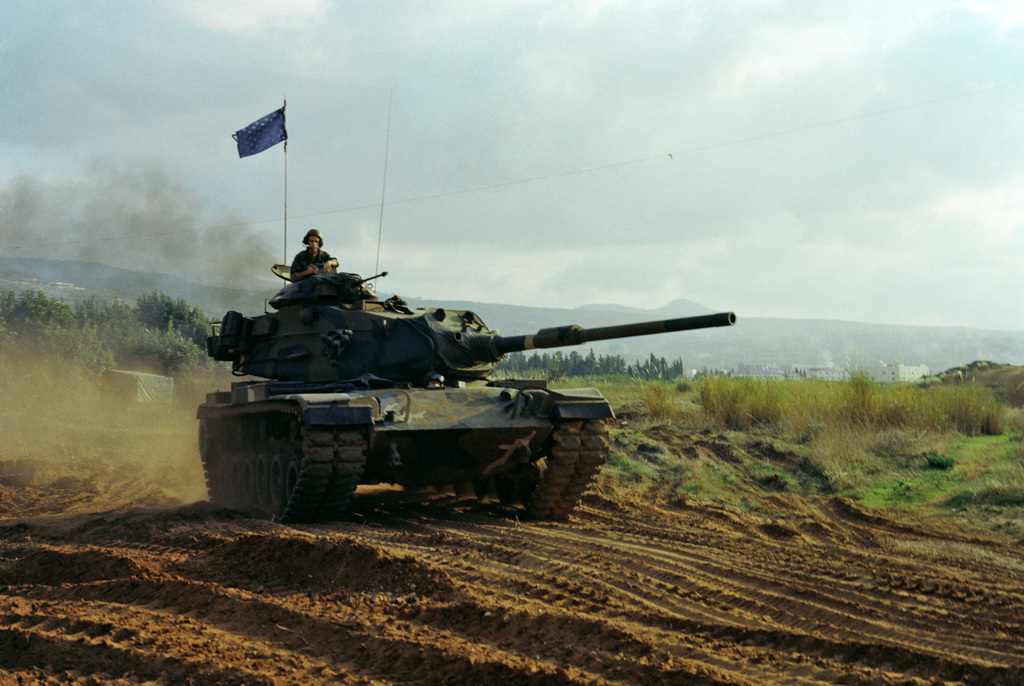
(360, 390)
(335, 329)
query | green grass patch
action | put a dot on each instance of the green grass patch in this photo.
(634, 470)
(972, 470)
(930, 449)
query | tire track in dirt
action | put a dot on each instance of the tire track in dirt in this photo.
(432, 589)
(772, 607)
(789, 604)
(234, 629)
(834, 590)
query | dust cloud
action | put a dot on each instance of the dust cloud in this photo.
(137, 220)
(68, 444)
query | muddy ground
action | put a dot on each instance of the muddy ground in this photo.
(120, 572)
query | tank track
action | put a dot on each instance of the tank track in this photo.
(577, 451)
(306, 475)
(331, 469)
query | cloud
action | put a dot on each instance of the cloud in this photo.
(771, 157)
(995, 212)
(252, 16)
(1008, 14)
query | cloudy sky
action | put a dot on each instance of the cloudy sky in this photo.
(861, 161)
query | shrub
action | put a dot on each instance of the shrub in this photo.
(743, 402)
(164, 313)
(936, 461)
(861, 399)
(30, 310)
(966, 408)
(161, 352)
(661, 402)
(95, 335)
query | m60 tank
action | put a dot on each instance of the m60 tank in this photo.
(360, 390)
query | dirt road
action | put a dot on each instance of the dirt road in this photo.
(127, 585)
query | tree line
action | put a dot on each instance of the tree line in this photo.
(562, 364)
(157, 333)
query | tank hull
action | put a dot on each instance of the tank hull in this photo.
(299, 456)
(365, 391)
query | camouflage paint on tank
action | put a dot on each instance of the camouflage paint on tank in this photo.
(350, 399)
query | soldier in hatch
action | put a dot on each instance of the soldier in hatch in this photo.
(312, 259)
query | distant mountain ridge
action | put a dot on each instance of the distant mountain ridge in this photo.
(782, 342)
(75, 281)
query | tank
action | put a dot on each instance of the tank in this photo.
(353, 390)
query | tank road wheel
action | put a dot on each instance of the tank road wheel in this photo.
(506, 490)
(514, 490)
(292, 473)
(236, 486)
(262, 481)
(262, 456)
(276, 485)
(575, 452)
(246, 483)
(481, 487)
(271, 482)
(463, 489)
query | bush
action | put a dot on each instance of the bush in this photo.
(936, 461)
(30, 310)
(160, 335)
(661, 402)
(743, 402)
(861, 399)
(163, 313)
(160, 352)
(966, 408)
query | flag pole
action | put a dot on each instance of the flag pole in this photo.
(285, 258)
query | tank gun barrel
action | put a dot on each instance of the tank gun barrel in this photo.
(561, 336)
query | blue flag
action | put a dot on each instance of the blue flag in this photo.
(261, 134)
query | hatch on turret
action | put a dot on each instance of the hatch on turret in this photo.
(333, 289)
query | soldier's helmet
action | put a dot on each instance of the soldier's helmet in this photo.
(313, 232)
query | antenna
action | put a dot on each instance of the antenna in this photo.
(285, 258)
(384, 186)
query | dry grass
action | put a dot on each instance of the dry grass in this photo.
(56, 418)
(795, 405)
(661, 402)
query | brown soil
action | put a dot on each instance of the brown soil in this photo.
(109, 575)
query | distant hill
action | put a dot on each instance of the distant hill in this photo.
(784, 342)
(75, 281)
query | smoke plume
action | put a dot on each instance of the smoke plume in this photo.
(138, 220)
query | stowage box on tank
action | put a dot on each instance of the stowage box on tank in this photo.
(364, 391)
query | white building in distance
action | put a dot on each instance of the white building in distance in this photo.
(895, 373)
(828, 372)
(881, 373)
